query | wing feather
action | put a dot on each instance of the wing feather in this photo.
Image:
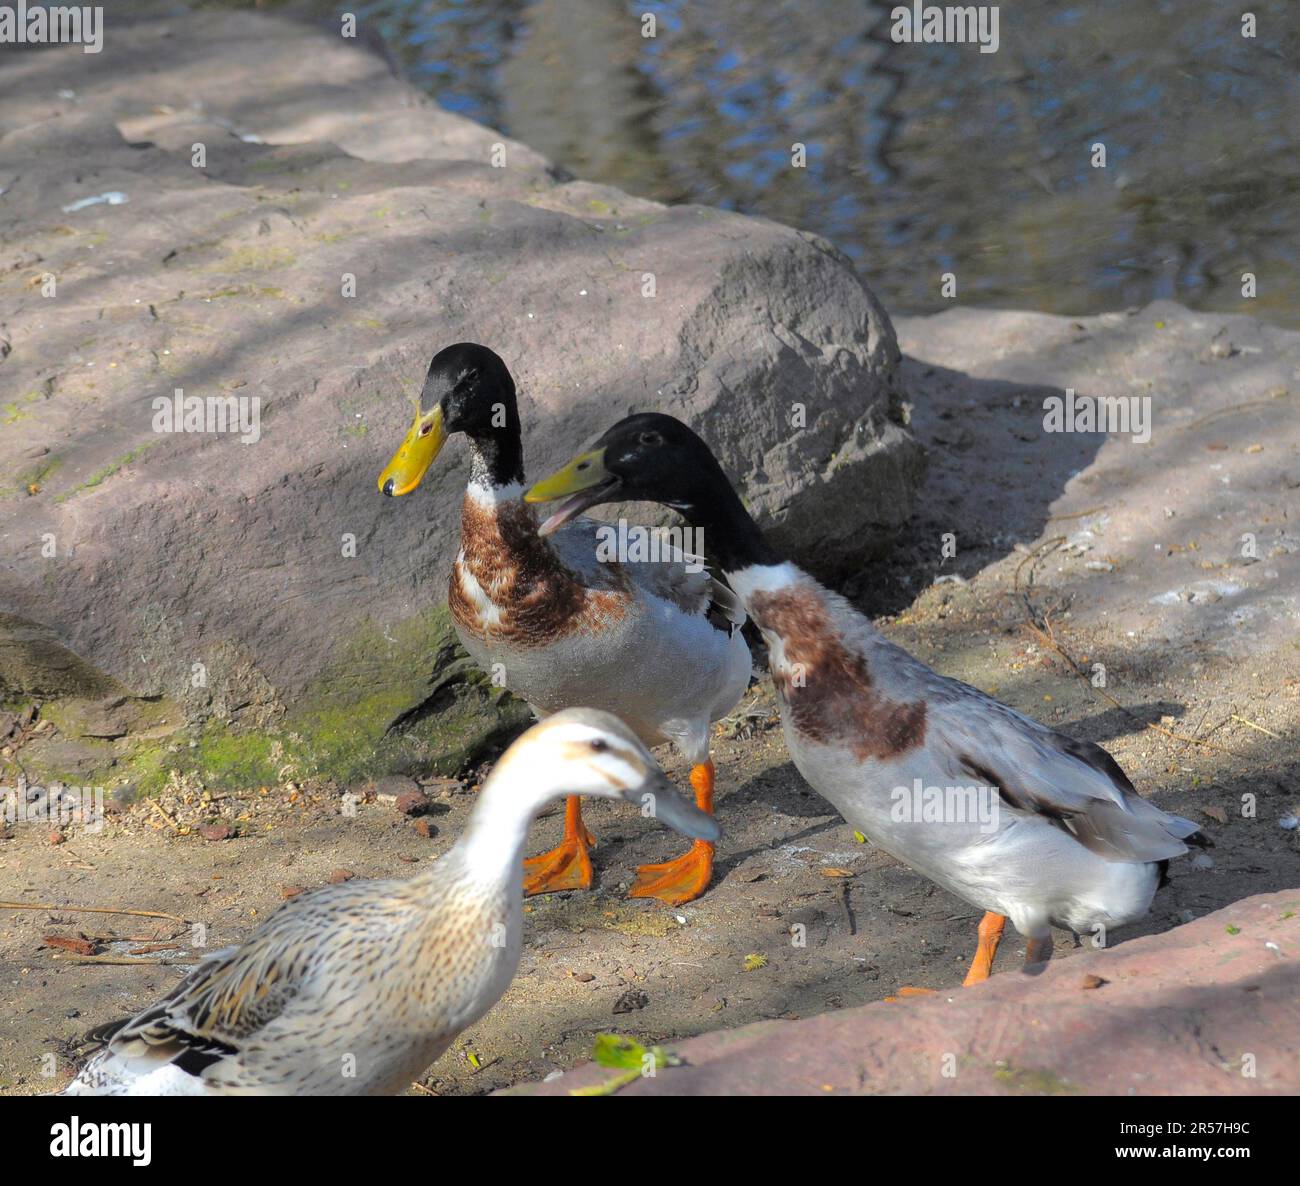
(1076, 784)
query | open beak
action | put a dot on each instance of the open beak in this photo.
(583, 483)
(672, 809)
(415, 455)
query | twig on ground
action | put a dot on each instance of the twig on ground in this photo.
(1040, 626)
(124, 960)
(1076, 515)
(1219, 413)
(171, 823)
(92, 910)
(1260, 728)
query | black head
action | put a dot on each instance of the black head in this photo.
(657, 458)
(650, 457)
(473, 387)
(469, 390)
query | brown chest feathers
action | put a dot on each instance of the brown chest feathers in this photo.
(508, 585)
(827, 687)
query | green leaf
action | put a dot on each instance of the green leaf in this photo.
(619, 1052)
(626, 1054)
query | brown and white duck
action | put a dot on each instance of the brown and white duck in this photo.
(655, 642)
(1027, 824)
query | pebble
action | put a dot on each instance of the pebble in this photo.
(631, 1001)
(412, 803)
(424, 828)
(389, 789)
(216, 832)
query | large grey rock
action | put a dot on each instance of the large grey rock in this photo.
(226, 278)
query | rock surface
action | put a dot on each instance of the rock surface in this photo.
(1187, 540)
(186, 210)
(1211, 1008)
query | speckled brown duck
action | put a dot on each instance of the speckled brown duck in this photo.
(560, 623)
(355, 989)
(1007, 814)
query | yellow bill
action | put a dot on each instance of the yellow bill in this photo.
(415, 454)
(582, 483)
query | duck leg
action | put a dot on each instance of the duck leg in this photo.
(981, 966)
(1037, 953)
(687, 876)
(567, 866)
(990, 936)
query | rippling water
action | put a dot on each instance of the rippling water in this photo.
(921, 159)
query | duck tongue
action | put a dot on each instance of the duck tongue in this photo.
(570, 508)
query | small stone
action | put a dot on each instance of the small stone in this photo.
(216, 832)
(412, 803)
(77, 944)
(584, 977)
(1289, 822)
(631, 1001)
(56, 837)
(1202, 861)
(387, 790)
(290, 891)
(338, 876)
(124, 794)
(1091, 981)
(424, 828)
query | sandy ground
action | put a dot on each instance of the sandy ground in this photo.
(597, 962)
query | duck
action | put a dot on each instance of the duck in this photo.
(356, 988)
(566, 620)
(1009, 815)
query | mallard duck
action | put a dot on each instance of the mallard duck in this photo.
(355, 989)
(1007, 814)
(656, 643)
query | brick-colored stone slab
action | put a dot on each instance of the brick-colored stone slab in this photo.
(1210, 1008)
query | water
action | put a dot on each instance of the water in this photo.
(921, 159)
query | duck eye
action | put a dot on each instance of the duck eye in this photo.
(651, 438)
(599, 744)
